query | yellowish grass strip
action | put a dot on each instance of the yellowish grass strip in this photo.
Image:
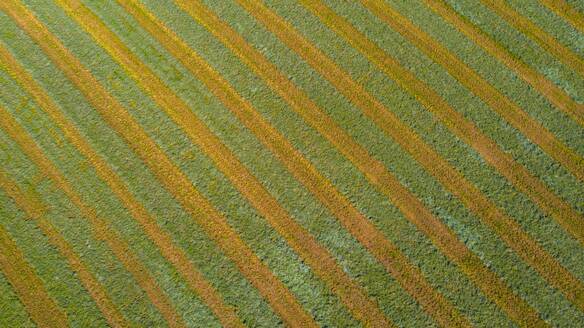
(518, 175)
(299, 166)
(297, 237)
(27, 285)
(387, 253)
(538, 81)
(498, 102)
(100, 228)
(161, 239)
(35, 210)
(505, 227)
(176, 182)
(373, 169)
(564, 10)
(437, 166)
(569, 218)
(537, 34)
(563, 213)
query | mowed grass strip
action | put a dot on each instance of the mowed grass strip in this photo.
(513, 144)
(291, 194)
(505, 227)
(306, 245)
(379, 176)
(568, 218)
(567, 12)
(304, 171)
(298, 238)
(61, 280)
(355, 222)
(538, 81)
(27, 285)
(496, 100)
(35, 210)
(101, 228)
(163, 241)
(537, 34)
(172, 178)
(258, 124)
(202, 250)
(12, 311)
(519, 175)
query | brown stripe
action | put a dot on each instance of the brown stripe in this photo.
(35, 210)
(378, 174)
(363, 230)
(163, 240)
(297, 237)
(271, 138)
(506, 227)
(100, 227)
(564, 10)
(538, 81)
(27, 285)
(214, 223)
(546, 41)
(569, 218)
(498, 102)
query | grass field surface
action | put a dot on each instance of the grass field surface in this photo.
(306, 163)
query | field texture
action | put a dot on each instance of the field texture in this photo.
(301, 163)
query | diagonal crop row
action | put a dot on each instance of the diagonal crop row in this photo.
(538, 81)
(319, 259)
(27, 285)
(299, 166)
(173, 254)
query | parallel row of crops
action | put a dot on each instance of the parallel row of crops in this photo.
(302, 163)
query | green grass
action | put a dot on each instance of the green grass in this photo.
(311, 292)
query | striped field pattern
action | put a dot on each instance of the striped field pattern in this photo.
(302, 163)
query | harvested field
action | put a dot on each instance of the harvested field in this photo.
(303, 163)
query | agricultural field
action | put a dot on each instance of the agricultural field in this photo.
(295, 163)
